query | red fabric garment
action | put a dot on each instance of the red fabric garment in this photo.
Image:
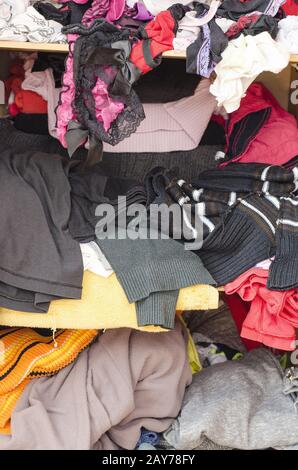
(273, 315)
(30, 102)
(239, 310)
(242, 23)
(276, 142)
(290, 7)
(160, 32)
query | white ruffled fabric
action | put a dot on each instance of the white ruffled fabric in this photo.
(31, 26)
(288, 33)
(242, 61)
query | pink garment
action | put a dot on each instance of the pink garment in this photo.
(168, 127)
(107, 109)
(43, 84)
(273, 315)
(64, 112)
(112, 10)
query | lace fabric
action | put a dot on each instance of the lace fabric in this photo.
(86, 78)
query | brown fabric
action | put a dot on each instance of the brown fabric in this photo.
(126, 380)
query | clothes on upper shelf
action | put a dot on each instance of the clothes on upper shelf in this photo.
(234, 9)
(122, 367)
(254, 24)
(206, 51)
(156, 6)
(189, 26)
(244, 404)
(173, 126)
(27, 354)
(31, 26)
(234, 75)
(273, 316)
(260, 131)
(290, 7)
(288, 33)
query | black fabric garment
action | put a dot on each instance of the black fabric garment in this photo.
(77, 11)
(245, 131)
(125, 165)
(233, 9)
(214, 135)
(248, 213)
(36, 123)
(283, 270)
(16, 140)
(40, 261)
(92, 187)
(54, 61)
(166, 83)
(247, 177)
(263, 23)
(98, 46)
(50, 12)
(209, 54)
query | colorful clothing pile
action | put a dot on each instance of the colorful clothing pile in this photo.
(26, 354)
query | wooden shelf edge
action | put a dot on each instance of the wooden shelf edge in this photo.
(63, 48)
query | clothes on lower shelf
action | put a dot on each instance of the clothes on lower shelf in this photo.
(27, 354)
(222, 404)
(122, 367)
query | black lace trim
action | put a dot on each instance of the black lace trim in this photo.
(101, 34)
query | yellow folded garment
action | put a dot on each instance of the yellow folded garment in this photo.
(104, 305)
(25, 355)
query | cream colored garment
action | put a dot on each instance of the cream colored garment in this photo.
(242, 61)
(178, 125)
(94, 260)
(288, 33)
(104, 305)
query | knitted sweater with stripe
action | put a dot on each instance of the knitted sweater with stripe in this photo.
(249, 213)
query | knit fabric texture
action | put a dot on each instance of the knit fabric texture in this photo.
(25, 355)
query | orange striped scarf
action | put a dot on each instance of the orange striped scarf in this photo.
(25, 355)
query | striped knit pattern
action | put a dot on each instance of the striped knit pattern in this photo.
(25, 355)
(249, 212)
(283, 271)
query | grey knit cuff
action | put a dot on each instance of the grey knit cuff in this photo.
(163, 275)
(158, 309)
